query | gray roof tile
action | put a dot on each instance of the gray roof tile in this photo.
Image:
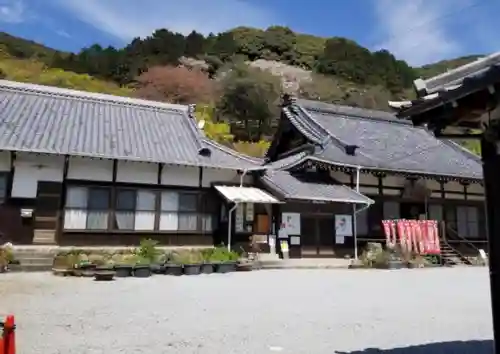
(294, 188)
(386, 143)
(44, 119)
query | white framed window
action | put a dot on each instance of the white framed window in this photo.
(87, 208)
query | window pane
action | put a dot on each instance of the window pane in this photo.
(125, 220)
(75, 219)
(146, 201)
(435, 212)
(125, 199)
(188, 202)
(188, 222)
(97, 220)
(76, 197)
(169, 201)
(98, 199)
(144, 220)
(208, 222)
(169, 221)
(462, 221)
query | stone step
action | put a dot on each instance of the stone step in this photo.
(36, 261)
(44, 237)
(30, 268)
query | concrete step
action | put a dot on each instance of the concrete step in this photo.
(30, 268)
(35, 261)
(44, 237)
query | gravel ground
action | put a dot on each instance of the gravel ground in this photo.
(287, 311)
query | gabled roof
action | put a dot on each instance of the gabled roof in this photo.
(383, 142)
(294, 188)
(43, 119)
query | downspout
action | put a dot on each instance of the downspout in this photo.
(355, 211)
(230, 224)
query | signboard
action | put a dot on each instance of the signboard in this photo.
(239, 220)
(343, 226)
(291, 223)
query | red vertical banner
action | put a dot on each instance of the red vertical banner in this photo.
(424, 234)
(417, 237)
(435, 233)
(387, 231)
(402, 234)
(394, 232)
(409, 236)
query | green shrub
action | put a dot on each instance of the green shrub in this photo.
(148, 250)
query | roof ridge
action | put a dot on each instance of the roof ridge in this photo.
(350, 111)
(310, 134)
(54, 91)
(232, 152)
(333, 138)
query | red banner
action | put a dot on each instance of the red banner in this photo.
(419, 236)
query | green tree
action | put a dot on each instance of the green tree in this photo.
(249, 102)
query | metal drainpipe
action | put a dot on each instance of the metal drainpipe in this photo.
(230, 224)
(354, 216)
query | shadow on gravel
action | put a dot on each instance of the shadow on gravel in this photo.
(468, 347)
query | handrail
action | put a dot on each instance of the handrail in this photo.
(455, 234)
(445, 240)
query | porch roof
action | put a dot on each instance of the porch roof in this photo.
(241, 194)
(293, 188)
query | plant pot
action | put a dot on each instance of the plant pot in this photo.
(173, 269)
(207, 268)
(225, 267)
(142, 271)
(394, 265)
(158, 268)
(244, 267)
(87, 266)
(104, 275)
(356, 266)
(123, 270)
(192, 269)
(105, 268)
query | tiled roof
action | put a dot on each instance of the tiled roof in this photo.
(452, 85)
(294, 188)
(44, 119)
(384, 142)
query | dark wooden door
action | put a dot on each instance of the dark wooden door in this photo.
(309, 236)
(326, 231)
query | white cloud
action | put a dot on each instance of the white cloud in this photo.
(126, 19)
(417, 30)
(12, 11)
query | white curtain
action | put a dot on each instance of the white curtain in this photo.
(169, 219)
(207, 222)
(76, 219)
(145, 210)
(125, 220)
(97, 220)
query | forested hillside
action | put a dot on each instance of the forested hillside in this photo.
(235, 77)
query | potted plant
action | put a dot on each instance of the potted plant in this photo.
(105, 271)
(191, 261)
(207, 267)
(124, 265)
(3, 261)
(142, 269)
(225, 261)
(172, 267)
(158, 264)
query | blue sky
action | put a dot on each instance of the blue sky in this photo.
(419, 31)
